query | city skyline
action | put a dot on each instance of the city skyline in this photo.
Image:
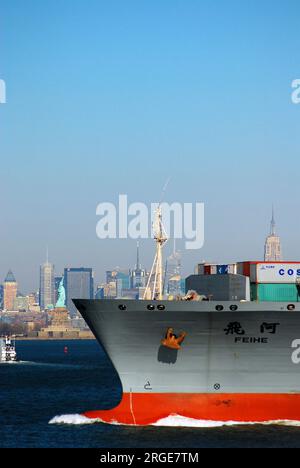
(117, 97)
(100, 275)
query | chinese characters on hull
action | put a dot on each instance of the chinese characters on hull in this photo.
(236, 329)
(269, 328)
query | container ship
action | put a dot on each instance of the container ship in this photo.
(217, 360)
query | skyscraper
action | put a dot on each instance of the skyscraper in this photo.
(10, 289)
(173, 279)
(47, 290)
(79, 284)
(138, 275)
(273, 252)
(1, 296)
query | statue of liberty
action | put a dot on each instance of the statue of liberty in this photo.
(61, 301)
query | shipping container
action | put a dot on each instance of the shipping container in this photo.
(240, 268)
(214, 269)
(199, 270)
(270, 272)
(274, 292)
(220, 287)
(222, 269)
(243, 268)
(281, 273)
(227, 269)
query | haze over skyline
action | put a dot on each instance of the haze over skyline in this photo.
(109, 98)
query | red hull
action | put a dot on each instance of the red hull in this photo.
(144, 409)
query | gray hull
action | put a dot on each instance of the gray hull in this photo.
(251, 350)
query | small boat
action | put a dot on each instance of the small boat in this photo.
(7, 350)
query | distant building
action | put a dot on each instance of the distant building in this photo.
(123, 282)
(175, 286)
(35, 308)
(21, 303)
(10, 289)
(79, 284)
(111, 276)
(138, 274)
(132, 293)
(273, 251)
(100, 293)
(173, 279)
(110, 290)
(47, 291)
(37, 296)
(116, 281)
(1, 296)
(31, 300)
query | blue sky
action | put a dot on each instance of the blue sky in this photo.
(114, 97)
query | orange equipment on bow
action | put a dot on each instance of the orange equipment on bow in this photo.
(172, 341)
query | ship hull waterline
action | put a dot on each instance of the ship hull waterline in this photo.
(141, 410)
(240, 365)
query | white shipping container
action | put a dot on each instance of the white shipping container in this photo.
(232, 269)
(274, 272)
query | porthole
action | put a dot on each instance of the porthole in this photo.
(291, 307)
(161, 307)
(122, 307)
(150, 307)
(219, 308)
(233, 308)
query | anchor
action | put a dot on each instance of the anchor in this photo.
(171, 341)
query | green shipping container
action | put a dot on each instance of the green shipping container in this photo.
(274, 293)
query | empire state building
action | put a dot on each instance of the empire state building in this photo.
(273, 251)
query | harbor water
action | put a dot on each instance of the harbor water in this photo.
(44, 396)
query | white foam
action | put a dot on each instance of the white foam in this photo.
(176, 420)
(76, 419)
(173, 420)
(285, 422)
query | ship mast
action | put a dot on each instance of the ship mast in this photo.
(160, 236)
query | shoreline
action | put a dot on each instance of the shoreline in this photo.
(34, 338)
